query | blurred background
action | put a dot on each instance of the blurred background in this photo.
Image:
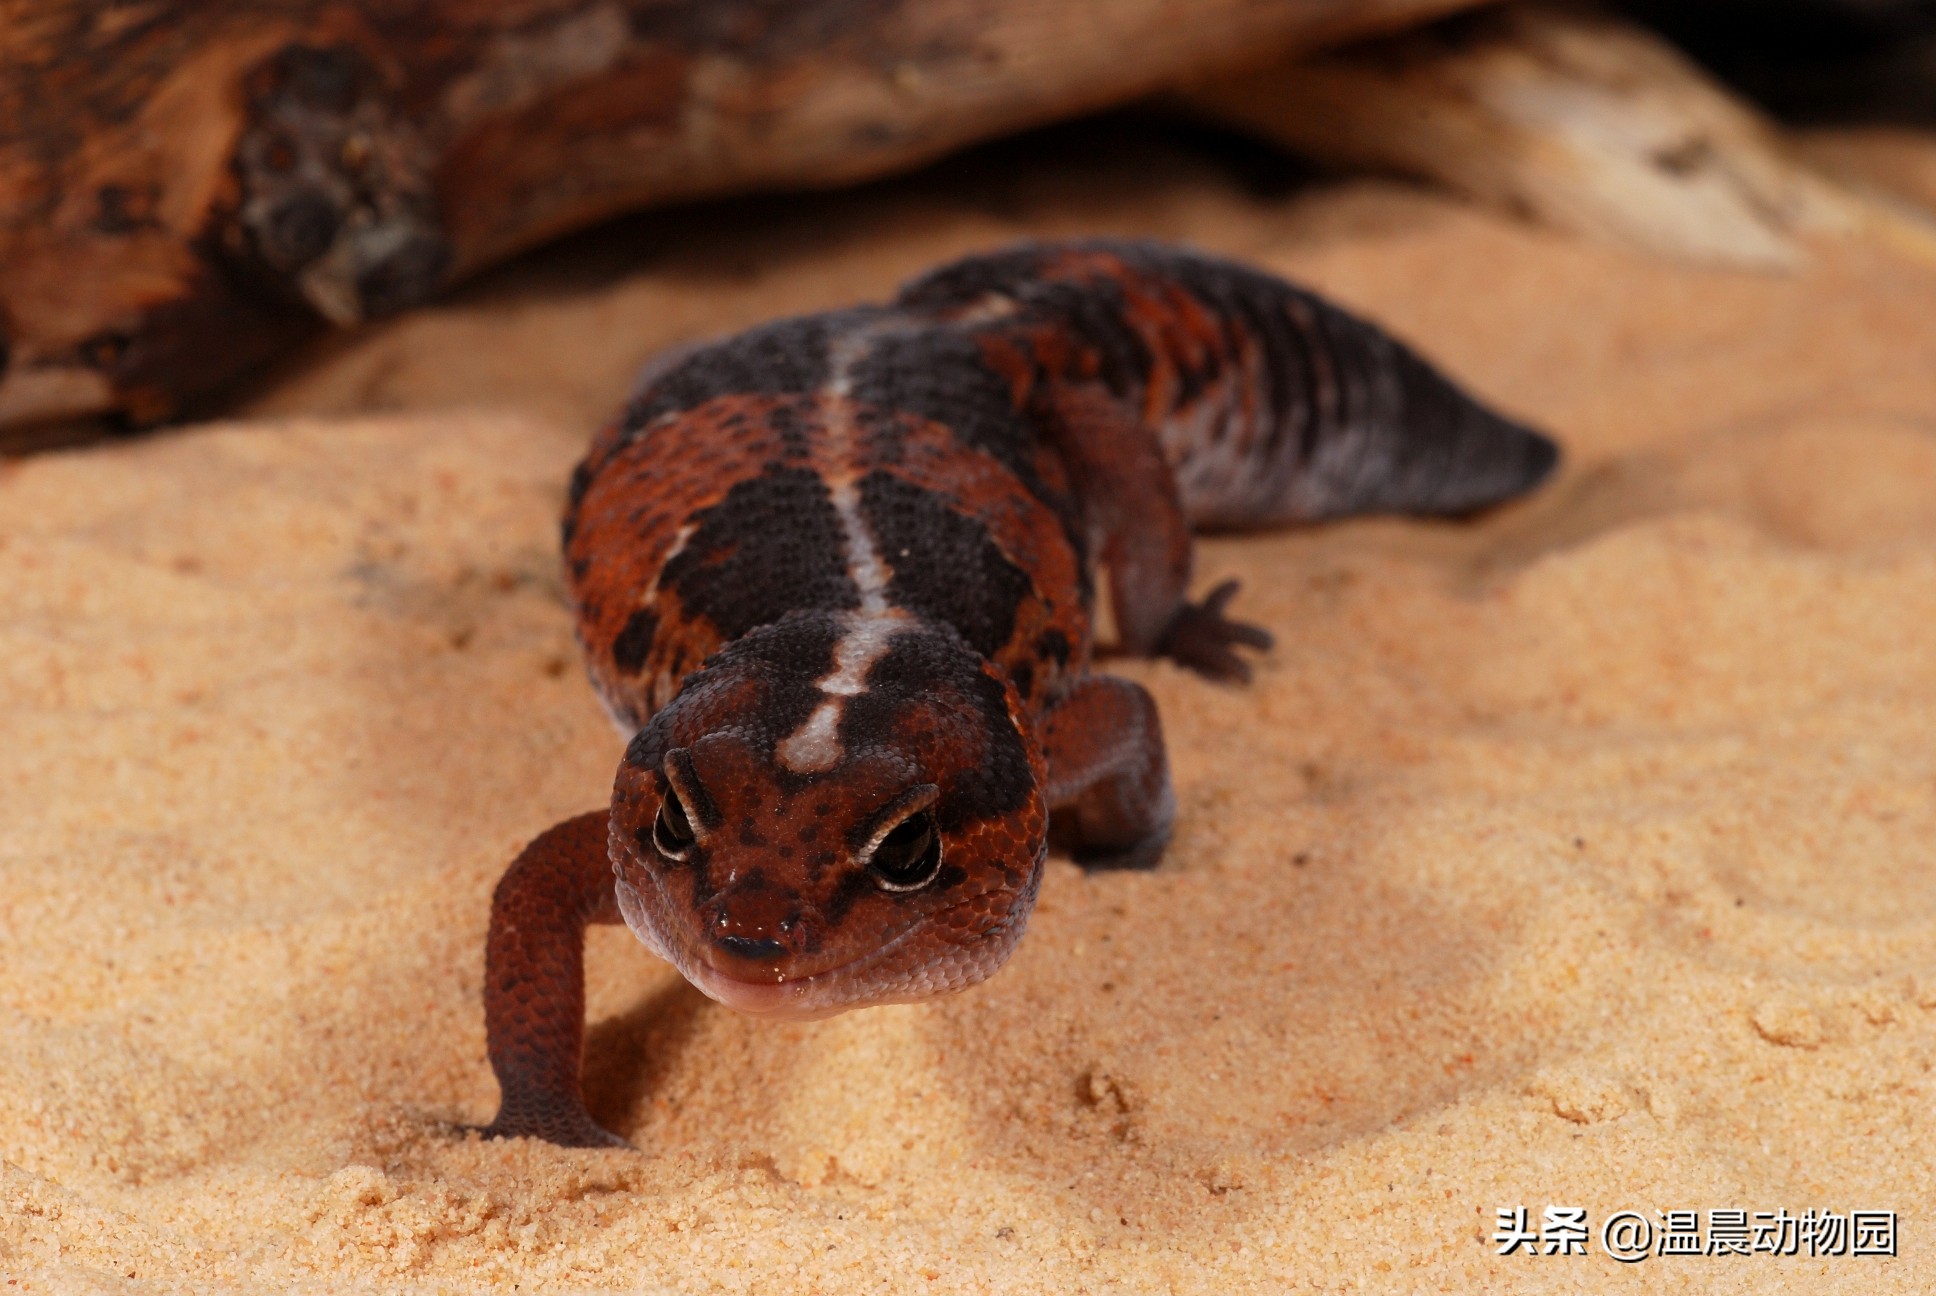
(211, 209)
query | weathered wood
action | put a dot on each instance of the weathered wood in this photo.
(1575, 117)
(187, 185)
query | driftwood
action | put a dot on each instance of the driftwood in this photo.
(1577, 118)
(187, 186)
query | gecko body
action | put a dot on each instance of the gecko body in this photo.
(836, 577)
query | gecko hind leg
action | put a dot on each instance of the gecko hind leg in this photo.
(1202, 638)
(534, 983)
(1145, 541)
(1108, 773)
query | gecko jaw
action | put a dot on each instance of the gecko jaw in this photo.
(833, 990)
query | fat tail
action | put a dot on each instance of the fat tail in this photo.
(1320, 414)
(1270, 404)
(1420, 445)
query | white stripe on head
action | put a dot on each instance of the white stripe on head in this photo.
(814, 747)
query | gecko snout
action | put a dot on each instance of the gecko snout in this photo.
(752, 928)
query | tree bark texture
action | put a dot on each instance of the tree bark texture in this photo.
(187, 186)
(1578, 118)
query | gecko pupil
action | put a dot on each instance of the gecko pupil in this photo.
(672, 831)
(908, 856)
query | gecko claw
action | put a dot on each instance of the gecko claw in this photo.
(1201, 638)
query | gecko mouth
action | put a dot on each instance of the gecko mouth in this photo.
(882, 975)
(824, 993)
(819, 994)
(801, 1000)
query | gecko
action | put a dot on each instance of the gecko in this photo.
(837, 579)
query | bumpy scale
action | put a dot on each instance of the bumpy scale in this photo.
(833, 575)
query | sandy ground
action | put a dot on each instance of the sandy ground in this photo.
(1578, 857)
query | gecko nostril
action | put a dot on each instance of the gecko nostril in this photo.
(751, 947)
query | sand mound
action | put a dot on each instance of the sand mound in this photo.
(1579, 857)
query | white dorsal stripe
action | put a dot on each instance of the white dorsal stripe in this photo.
(814, 747)
(863, 557)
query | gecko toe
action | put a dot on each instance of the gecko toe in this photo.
(1202, 638)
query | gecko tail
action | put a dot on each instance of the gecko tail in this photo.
(1438, 452)
(1327, 415)
(1270, 404)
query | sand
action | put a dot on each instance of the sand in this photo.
(1581, 856)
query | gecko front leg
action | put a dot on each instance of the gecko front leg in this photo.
(1107, 768)
(534, 982)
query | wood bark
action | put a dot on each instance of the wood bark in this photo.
(1577, 118)
(189, 186)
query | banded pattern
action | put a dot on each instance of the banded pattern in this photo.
(1271, 405)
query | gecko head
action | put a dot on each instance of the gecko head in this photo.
(836, 810)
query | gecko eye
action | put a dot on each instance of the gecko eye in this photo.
(909, 856)
(672, 831)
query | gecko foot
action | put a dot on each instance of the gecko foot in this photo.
(553, 1124)
(1203, 639)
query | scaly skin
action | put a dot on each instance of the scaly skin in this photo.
(833, 576)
